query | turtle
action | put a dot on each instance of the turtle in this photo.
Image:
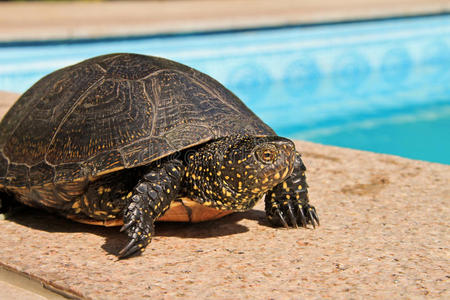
(130, 139)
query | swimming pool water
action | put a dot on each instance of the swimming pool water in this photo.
(382, 86)
(415, 138)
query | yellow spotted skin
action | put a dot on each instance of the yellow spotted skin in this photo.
(235, 178)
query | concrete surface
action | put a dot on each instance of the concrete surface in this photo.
(8, 290)
(16, 286)
(7, 99)
(384, 234)
(65, 20)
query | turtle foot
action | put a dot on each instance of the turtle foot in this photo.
(292, 214)
(288, 204)
(138, 225)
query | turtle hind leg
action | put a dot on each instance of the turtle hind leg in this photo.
(287, 204)
(150, 198)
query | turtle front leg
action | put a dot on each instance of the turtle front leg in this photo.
(287, 204)
(150, 198)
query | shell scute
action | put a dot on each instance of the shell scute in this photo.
(107, 117)
(33, 120)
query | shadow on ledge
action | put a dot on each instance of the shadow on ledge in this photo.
(115, 240)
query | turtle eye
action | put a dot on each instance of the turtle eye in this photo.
(267, 154)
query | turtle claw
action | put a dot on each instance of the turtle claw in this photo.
(282, 219)
(140, 237)
(126, 226)
(292, 217)
(311, 218)
(302, 216)
(288, 214)
(129, 249)
(308, 215)
(313, 215)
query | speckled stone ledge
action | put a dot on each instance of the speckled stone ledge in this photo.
(384, 234)
(78, 19)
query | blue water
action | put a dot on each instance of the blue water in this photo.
(381, 86)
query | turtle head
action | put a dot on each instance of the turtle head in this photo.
(251, 165)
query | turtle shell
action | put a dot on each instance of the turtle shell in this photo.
(113, 112)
